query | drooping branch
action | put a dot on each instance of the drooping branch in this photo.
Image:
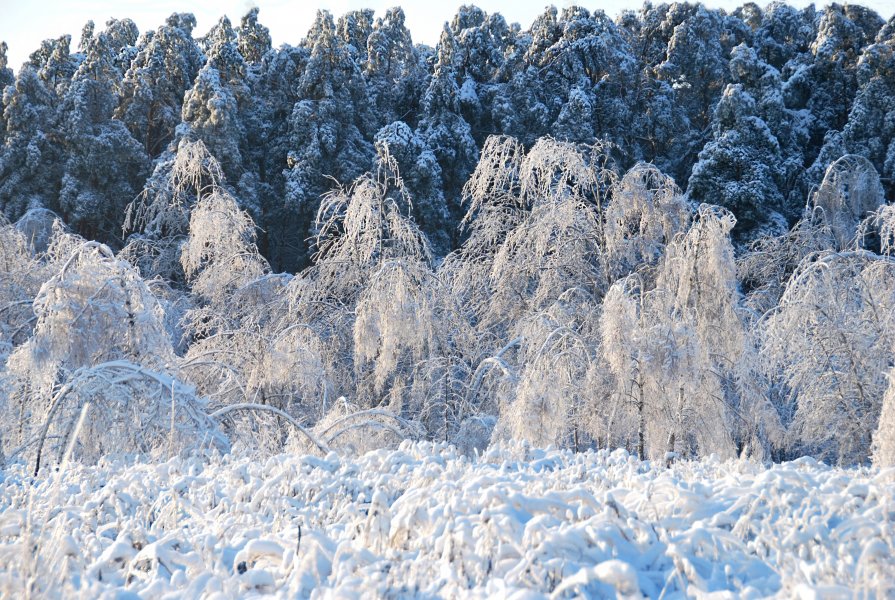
(249, 406)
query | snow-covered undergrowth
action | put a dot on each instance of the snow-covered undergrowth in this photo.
(425, 521)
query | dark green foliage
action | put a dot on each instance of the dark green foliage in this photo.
(81, 132)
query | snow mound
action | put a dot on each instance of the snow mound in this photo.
(426, 521)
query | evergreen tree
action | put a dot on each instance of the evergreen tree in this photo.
(826, 81)
(791, 128)
(575, 120)
(254, 38)
(214, 105)
(274, 87)
(105, 166)
(740, 168)
(592, 60)
(54, 64)
(870, 130)
(695, 65)
(6, 75)
(30, 161)
(6, 79)
(519, 109)
(392, 69)
(166, 63)
(444, 129)
(354, 28)
(329, 126)
(785, 34)
(659, 132)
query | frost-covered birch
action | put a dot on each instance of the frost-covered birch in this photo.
(830, 343)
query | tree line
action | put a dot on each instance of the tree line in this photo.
(745, 110)
(164, 272)
(587, 307)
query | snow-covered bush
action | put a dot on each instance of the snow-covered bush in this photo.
(94, 310)
(646, 211)
(21, 276)
(849, 193)
(830, 343)
(555, 385)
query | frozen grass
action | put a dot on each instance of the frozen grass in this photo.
(424, 521)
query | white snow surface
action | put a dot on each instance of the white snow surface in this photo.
(425, 521)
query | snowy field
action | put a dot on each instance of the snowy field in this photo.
(423, 521)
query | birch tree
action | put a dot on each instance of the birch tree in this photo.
(830, 341)
(671, 346)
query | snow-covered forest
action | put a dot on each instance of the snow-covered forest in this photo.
(660, 240)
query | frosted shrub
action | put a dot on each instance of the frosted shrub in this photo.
(21, 276)
(884, 437)
(495, 180)
(849, 192)
(556, 248)
(367, 243)
(220, 255)
(558, 245)
(163, 209)
(120, 409)
(93, 310)
(767, 266)
(645, 212)
(555, 382)
(553, 170)
(396, 321)
(494, 208)
(361, 228)
(830, 342)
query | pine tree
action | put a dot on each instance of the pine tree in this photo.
(105, 166)
(827, 82)
(164, 67)
(791, 128)
(274, 88)
(254, 38)
(593, 61)
(54, 64)
(785, 34)
(392, 69)
(741, 168)
(695, 66)
(354, 28)
(30, 161)
(329, 126)
(6, 79)
(518, 108)
(870, 130)
(443, 128)
(214, 106)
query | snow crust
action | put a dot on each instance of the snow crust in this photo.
(426, 521)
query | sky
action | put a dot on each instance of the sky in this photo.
(24, 23)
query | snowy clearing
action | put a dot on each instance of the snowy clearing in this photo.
(425, 521)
